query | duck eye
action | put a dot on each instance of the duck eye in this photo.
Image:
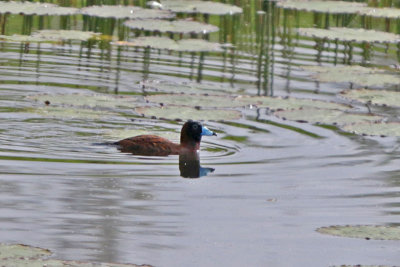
(195, 126)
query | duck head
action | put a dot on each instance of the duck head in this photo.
(191, 134)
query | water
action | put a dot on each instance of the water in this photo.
(60, 189)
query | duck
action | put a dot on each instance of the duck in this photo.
(152, 145)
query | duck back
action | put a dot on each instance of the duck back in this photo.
(148, 145)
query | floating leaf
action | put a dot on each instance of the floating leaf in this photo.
(386, 12)
(353, 74)
(353, 69)
(188, 45)
(86, 100)
(21, 251)
(28, 256)
(186, 113)
(374, 128)
(375, 97)
(325, 116)
(150, 41)
(34, 8)
(351, 35)
(176, 26)
(70, 113)
(240, 101)
(21, 38)
(51, 36)
(61, 263)
(197, 45)
(195, 100)
(275, 103)
(188, 88)
(375, 232)
(332, 7)
(131, 12)
(204, 7)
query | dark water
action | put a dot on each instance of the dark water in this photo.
(270, 191)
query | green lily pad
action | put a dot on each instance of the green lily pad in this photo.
(186, 113)
(28, 256)
(188, 88)
(204, 7)
(70, 113)
(86, 100)
(332, 7)
(277, 103)
(61, 263)
(351, 35)
(374, 128)
(353, 74)
(21, 38)
(325, 116)
(21, 251)
(150, 41)
(375, 232)
(375, 97)
(197, 45)
(131, 12)
(185, 45)
(35, 8)
(51, 36)
(385, 12)
(176, 26)
(241, 101)
(361, 265)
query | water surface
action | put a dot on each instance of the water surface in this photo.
(270, 191)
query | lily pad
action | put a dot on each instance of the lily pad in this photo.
(325, 116)
(70, 113)
(188, 88)
(241, 101)
(375, 97)
(131, 12)
(61, 263)
(351, 35)
(374, 128)
(35, 8)
(176, 26)
(375, 232)
(385, 12)
(22, 251)
(332, 7)
(28, 256)
(276, 103)
(185, 45)
(51, 36)
(353, 74)
(86, 100)
(186, 113)
(197, 45)
(204, 7)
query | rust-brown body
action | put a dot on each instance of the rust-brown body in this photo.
(149, 145)
(152, 145)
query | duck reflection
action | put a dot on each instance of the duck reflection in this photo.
(189, 166)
